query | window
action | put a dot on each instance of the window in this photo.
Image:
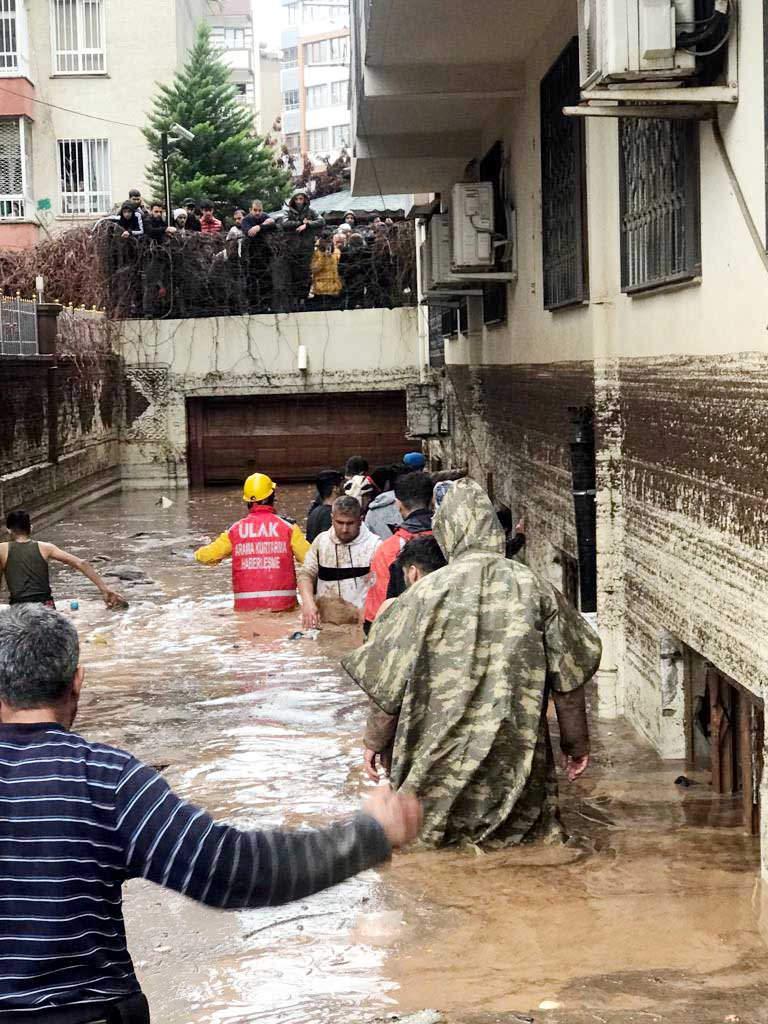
(292, 11)
(317, 140)
(234, 38)
(339, 94)
(340, 135)
(563, 185)
(660, 203)
(317, 96)
(9, 44)
(78, 37)
(338, 49)
(14, 168)
(84, 176)
(316, 53)
(293, 142)
(290, 57)
(291, 99)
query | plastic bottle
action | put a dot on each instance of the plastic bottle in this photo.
(74, 605)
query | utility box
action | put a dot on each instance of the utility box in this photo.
(472, 225)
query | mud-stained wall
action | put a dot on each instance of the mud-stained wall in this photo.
(694, 481)
(682, 453)
(45, 466)
(511, 426)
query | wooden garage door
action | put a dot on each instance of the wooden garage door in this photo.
(292, 437)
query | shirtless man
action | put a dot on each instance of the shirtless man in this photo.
(24, 563)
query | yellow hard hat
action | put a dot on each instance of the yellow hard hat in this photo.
(258, 487)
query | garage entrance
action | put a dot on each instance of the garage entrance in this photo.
(292, 437)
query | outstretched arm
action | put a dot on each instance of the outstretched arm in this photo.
(111, 598)
(177, 845)
(212, 554)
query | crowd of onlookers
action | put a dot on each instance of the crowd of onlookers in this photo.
(197, 265)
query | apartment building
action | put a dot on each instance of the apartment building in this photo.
(613, 392)
(315, 77)
(77, 78)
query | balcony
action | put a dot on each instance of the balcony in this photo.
(238, 60)
(418, 120)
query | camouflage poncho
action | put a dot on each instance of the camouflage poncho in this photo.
(464, 658)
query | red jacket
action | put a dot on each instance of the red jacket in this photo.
(386, 553)
(263, 572)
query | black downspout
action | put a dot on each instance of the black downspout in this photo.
(583, 474)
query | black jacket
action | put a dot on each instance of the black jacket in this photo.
(318, 521)
(155, 229)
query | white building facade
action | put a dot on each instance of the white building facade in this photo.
(77, 78)
(603, 377)
(315, 77)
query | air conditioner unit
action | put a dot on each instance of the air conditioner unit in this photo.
(633, 40)
(472, 223)
(439, 250)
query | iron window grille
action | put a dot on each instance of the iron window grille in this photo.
(15, 179)
(660, 202)
(9, 41)
(77, 31)
(84, 176)
(563, 185)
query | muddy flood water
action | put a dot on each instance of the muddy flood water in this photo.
(653, 912)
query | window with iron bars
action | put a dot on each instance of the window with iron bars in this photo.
(77, 31)
(84, 176)
(660, 202)
(15, 179)
(563, 185)
(9, 42)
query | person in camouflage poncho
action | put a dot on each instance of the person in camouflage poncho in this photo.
(460, 667)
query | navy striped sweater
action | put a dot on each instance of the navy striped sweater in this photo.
(77, 819)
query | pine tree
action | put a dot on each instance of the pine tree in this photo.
(227, 162)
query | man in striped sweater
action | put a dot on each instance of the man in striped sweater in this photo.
(80, 818)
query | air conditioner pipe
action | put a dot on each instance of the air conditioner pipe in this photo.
(712, 27)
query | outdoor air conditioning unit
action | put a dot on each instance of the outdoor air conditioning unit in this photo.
(439, 238)
(472, 224)
(634, 40)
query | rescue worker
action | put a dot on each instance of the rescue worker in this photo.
(466, 661)
(335, 574)
(25, 564)
(413, 493)
(263, 547)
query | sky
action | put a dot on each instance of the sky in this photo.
(266, 22)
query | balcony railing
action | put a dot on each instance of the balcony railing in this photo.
(18, 326)
(194, 275)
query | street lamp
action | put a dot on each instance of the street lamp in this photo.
(166, 140)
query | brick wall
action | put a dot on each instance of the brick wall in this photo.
(45, 470)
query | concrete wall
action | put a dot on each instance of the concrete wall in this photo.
(168, 361)
(678, 381)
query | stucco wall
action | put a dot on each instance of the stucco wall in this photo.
(168, 361)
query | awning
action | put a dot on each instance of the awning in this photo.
(334, 207)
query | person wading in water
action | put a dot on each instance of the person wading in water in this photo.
(25, 564)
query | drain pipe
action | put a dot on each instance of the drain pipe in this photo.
(583, 474)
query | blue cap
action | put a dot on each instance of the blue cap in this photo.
(414, 460)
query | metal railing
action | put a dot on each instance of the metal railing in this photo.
(18, 326)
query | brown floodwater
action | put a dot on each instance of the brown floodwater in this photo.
(653, 911)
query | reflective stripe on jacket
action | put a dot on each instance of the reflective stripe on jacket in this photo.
(263, 573)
